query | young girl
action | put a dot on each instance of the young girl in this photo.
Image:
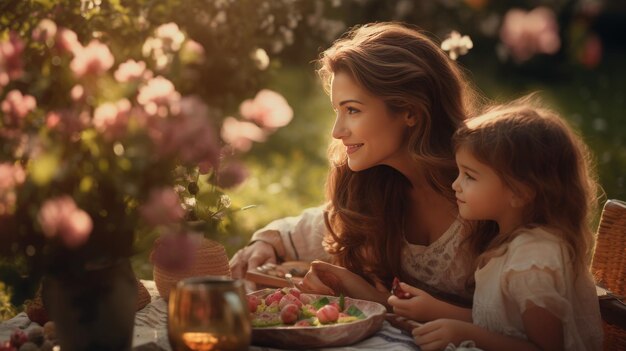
(525, 183)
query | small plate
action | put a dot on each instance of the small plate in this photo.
(291, 337)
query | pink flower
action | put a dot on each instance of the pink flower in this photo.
(190, 135)
(175, 251)
(269, 109)
(67, 41)
(45, 32)
(69, 121)
(16, 106)
(170, 35)
(162, 208)
(232, 174)
(61, 217)
(528, 33)
(94, 59)
(129, 71)
(77, 93)
(10, 177)
(240, 135)
(111, 119)
(157, 95)
(11, 59)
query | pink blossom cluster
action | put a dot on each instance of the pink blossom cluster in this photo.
(163, 207)
(175, 251)
(93, 59)
(159, 97)
(167, 40)
(111, 119)
(132, 70)
(60, 217)
(67, 41)
(526, 34)
(70, 122)
(189, 135)
(16, 107)
(45, 32)
(10, 59)
(268, 110)
(11, 176)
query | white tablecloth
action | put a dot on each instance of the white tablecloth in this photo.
(151, 327)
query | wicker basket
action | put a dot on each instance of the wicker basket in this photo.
(143, 296)
(609, 264)
(210, 259)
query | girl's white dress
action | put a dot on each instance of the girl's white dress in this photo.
(536, 267)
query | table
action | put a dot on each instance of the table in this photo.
(151, 329)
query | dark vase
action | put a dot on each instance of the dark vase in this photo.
(95, 309)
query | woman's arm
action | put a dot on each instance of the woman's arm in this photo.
(328, 279)
(285, 239)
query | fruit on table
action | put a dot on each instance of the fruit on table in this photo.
(289, 313)
(398, 291)
(253, 303)
(327, 314)
(289, 299)
(288, 307)
(18, 338)
(275, 296)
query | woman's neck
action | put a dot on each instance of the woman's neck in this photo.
(429, 216)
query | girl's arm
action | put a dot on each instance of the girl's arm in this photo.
(544, 332)
(424, 307)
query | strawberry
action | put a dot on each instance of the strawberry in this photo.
(397, 290)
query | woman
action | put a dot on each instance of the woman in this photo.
(392, 212)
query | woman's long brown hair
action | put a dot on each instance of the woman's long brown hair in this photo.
(402, 66)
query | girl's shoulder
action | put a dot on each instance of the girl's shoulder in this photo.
(536, 247)
(535, 236)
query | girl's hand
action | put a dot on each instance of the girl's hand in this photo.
(328, 279)
(421, 307)
(436, 335)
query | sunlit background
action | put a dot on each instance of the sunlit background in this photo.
(572, 52)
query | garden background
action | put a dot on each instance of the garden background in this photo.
(572, 52)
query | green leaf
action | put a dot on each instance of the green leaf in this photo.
(319, 303)
(355, 312)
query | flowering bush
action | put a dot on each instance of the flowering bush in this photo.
(99, 139)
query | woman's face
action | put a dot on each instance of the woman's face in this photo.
(371, 134)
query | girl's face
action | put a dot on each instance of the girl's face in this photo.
(371, 134)
(480, 193)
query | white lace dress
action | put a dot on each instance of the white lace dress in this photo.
(441, 264)
(536, 268)
(438, 265)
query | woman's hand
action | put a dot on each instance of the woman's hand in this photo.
(251, 257)
(328, 279)
(436, 335)
(423, 307)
